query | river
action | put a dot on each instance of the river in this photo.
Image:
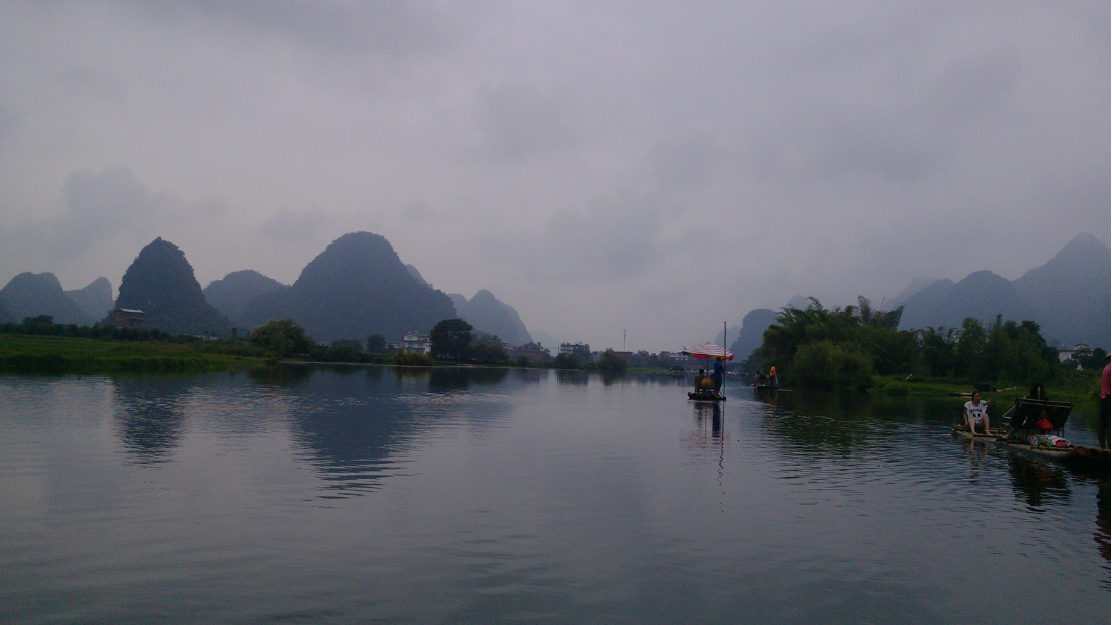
(369, 494)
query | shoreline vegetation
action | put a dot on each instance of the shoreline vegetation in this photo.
(39, 346)
(859, 349)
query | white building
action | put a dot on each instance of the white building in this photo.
(414, 342)
(579, 350)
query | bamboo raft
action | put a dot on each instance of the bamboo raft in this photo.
(1075, 456)
(703, 397)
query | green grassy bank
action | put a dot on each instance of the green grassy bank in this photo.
(63, 354)
(1079, 387)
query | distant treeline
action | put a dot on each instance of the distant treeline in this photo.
(843, 348)
(44, 325)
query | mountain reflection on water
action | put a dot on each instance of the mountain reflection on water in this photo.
(363, 494)
(150, 417)
(349, 431)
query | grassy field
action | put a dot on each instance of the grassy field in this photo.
(54, 354)
(1080, 388)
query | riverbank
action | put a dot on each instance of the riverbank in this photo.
(1077, 387)
(63, 354)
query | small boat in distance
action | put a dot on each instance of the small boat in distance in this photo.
(704, 390)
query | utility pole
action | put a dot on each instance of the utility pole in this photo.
(623, 340)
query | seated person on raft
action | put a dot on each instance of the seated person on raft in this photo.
(703, 385)
(976, 411)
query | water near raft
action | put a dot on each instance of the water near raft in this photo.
(362, 495)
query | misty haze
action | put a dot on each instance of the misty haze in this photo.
(603, 312)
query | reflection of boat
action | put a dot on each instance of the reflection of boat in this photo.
(1075, 456)
(704, 396)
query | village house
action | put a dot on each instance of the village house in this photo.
(414, 342)
(533, 351)
(125, 318)
(1079, 351)
(582, 351)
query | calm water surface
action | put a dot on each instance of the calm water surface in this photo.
(375, 495)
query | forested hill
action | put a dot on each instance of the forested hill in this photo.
(231, 293)
(489, 314)
(1073, 291)
(355, 288)
(31, 295)
(95, 299)
(160, 282)
(1070, 297)
(751, 333)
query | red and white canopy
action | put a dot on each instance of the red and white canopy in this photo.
(708, 350)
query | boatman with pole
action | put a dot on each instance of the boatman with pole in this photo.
(718, 375)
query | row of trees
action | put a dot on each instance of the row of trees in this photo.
(43, 325)
(608, 362)
(842, 348)
(452, 340)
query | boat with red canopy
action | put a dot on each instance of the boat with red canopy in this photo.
(706, 351)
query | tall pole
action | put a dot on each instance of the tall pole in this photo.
(724, 359)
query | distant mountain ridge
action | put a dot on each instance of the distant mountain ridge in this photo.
(231, 293)
(916, 285)
(95, 300)
(1070, 296)
(487, 313)
(161, 283)
(1073, 291)
(355, 288)
(751, 334)
(32, 295)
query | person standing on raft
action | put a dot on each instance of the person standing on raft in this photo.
(1105, 403)
(976, 411)
(717, 375)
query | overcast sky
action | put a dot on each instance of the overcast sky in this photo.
(600, 166)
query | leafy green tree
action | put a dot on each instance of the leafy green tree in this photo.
(1095, 361)
(938, 351)
(489, 353)
(612, 362)
(840, 348)
(282, 336)
(376, 343)
(827, 366)
(565, 361)
(451, 340)
(971, 351)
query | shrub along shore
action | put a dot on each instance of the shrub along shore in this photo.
(858, 349)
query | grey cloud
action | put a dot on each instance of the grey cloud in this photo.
(685, 163)
(391, 29)
(93, 82)
(518, 121)
(417, 211)
(97, 205)
(909, 131)
(617, 238)
(10, 120)
(294, 225)
(97, 209)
